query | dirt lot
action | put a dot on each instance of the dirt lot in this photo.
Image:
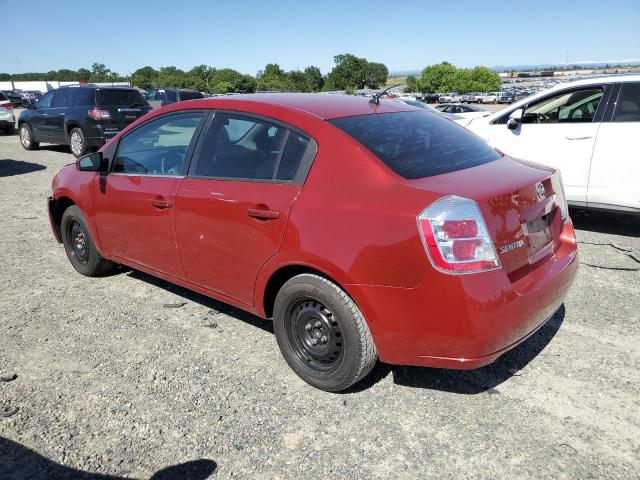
(111, 381)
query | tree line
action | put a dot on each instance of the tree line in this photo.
(349, 73)
(444, 77)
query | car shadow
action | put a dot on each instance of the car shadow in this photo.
(55, 148)
(10, 168)
(469, 382)
(19, 462)
(208, 302)
(606, 222)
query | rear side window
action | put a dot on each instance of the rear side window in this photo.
(293, 152)
(158, 147)
(82, 97)
(628, 104)
(241, 147)
(418, 144)
(2, 96)
(190, 95)
(115, 97)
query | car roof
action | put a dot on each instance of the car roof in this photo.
(322, 105)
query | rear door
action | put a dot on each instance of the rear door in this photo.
(134, 203)
(615, 168)
(232, 208)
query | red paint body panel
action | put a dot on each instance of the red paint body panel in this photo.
(354, 221)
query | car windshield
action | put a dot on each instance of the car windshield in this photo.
(109, 97)
(418, 144)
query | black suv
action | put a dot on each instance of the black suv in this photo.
(83, 117)
(167, 96)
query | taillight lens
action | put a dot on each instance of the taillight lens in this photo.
(98, 114)
(6, 105)
(455, 236)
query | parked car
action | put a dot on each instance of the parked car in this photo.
(7, 118)
(587, 129)
(415, 253)
(491, 97)
(429, 108)
(4, 101)
(446, 97)
(83, 117)
(166, 96)
(506, 97)
(468, 98)
(431, 97)
(15, 98)
(32, 96)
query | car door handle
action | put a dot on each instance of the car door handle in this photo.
(263, 214)
(578, 138)
(161, 203)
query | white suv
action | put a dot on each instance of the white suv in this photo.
(589, 129)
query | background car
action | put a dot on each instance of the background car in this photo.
(414, 253)
(459, 108)
(587, 128)
(166, 96)
(83, 117)
(4, 101)
(14, 97)
(491, 97)
(7, 119)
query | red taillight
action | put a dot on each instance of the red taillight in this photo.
(456, 237)
(6, 105)
(98, 114)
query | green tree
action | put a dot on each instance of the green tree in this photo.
(349, 71)
(314, 80)
(412, 84)
(144, 78)
(375, 74)
(65, 75)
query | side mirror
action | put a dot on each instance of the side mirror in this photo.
(515, 119)
(94, 162)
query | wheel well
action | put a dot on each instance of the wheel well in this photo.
(70, 127)
(282, 276)
(59, 207)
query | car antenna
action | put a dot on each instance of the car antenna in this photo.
(376, 98)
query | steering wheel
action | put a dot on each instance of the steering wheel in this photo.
(170, 162)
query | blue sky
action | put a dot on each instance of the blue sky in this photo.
(247, 34)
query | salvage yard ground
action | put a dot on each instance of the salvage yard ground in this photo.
(127, 375)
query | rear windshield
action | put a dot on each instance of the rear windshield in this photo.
(418, 144)
(120, 98)
(190, 95)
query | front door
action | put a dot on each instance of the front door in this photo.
(135, 203)
(560, 131)
(39, 117)
(232, 209)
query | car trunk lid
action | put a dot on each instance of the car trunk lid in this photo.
(522, 205)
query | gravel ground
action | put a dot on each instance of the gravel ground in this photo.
(110, 381)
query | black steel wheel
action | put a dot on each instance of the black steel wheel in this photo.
(322, 334)
(79, 246)
(315, 335)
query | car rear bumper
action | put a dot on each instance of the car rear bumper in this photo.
(466, 321)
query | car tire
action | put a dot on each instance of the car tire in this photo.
(79, 246)
(26, 137)
(77, 142)
(322, 334)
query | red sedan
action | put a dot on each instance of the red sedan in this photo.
(364, 230)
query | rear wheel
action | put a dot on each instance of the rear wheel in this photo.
(79, 245)
(322, 334)
(26, 137)
(77, 142)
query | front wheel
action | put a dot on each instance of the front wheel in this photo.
(79, 246)
(322, 334)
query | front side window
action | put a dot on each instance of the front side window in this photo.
(158, 147)
(566, 107)
(628, 104)
(45, 102)
(241, 147)
(418, 144)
